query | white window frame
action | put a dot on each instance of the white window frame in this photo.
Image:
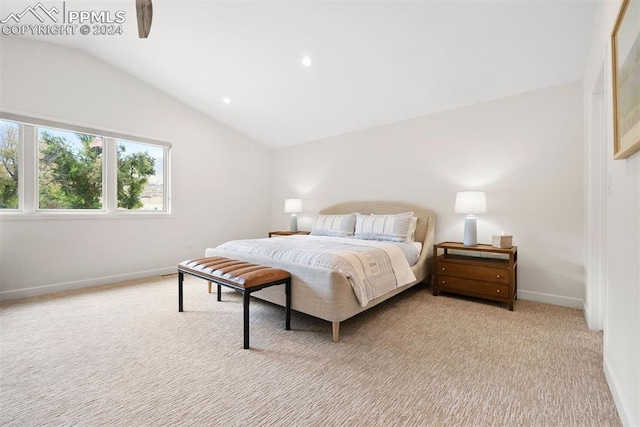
(29, 163)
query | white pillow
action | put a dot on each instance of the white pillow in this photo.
(334, 225)
(394, 228)
(411, 234)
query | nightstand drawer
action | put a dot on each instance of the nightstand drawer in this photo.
(498, 275)
(475, 287)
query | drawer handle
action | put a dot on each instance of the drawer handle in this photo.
(443, 268)
(444, 282)
(498, 276)
(498, 291)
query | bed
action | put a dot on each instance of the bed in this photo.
(327, 293)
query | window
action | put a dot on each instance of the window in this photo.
(140, 176)
(9, 162)
(67, 168)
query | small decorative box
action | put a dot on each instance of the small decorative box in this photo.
(504, 242)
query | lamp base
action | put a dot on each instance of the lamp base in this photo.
(470, 231)
(293, 224)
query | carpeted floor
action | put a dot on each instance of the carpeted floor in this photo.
(122, 355)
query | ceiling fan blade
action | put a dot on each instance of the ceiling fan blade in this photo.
(144, 10)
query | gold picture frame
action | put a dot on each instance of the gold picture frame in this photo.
(625, 45)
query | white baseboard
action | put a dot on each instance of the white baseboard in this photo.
(614, 386)
(81, 284)
(551, 299)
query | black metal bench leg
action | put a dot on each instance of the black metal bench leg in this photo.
(180, 279)
(219, 292)
(245, 301)
(287, 291)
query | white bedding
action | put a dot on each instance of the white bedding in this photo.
(372, 267)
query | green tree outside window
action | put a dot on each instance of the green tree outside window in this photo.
(9, 145)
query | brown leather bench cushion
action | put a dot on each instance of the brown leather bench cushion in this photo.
(238, 273)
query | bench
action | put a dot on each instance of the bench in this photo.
(239, 275)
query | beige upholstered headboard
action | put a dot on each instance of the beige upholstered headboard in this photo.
(425, 228)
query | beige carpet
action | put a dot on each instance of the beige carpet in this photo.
(122, 355)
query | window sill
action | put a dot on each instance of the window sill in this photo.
(19, 216)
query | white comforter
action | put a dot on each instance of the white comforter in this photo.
(373, 268)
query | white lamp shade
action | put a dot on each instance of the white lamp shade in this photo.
(471, 202)
(292, 205)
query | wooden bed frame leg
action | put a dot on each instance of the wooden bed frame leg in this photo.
(336, 330)
(209, 286)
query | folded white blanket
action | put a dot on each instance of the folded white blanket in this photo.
(373, 267)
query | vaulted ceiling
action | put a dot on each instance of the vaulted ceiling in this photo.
(371, 62)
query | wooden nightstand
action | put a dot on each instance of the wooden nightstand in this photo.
(490, 278)
(288, 233)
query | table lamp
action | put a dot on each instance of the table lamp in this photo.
(293, 206)
(470, 203)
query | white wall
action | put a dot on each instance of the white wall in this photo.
(525, 151)
(621, 229)
(214, 199)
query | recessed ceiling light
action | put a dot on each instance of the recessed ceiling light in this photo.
(226, 100)
(306, 61)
